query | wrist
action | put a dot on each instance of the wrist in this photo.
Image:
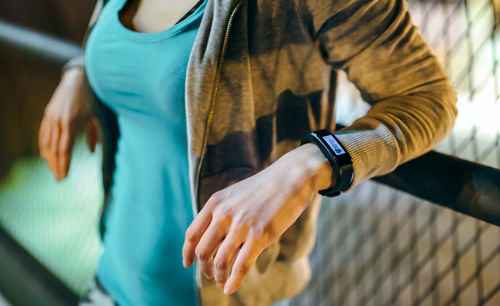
(338, 157)
(316, 166)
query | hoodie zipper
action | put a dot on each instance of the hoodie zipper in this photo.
(213, 100)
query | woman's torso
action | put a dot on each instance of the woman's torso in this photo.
(141, 77)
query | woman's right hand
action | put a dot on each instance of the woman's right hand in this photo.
(65, 115)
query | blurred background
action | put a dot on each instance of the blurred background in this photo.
(396, 240)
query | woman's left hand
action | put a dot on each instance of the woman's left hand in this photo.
(240, 221)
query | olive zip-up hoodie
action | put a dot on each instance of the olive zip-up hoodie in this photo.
(262, 74)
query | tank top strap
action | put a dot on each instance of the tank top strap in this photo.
(191, 10)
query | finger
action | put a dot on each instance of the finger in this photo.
(52, 147)
(45, 134)
(91, 134)
(235, 255)
(209, 264)
(226, 254)
(246, 258)
(64, 149)
(42, 136)
(211, 239)
(193, 235)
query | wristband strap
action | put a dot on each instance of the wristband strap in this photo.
(339, 159)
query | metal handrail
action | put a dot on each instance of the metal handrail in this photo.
(50, 48)
(25, 281)
(461, 185)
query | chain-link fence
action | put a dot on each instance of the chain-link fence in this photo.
(378, 246)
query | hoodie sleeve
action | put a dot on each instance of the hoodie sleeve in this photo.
(384, 55)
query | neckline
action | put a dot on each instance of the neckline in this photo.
(155, 36)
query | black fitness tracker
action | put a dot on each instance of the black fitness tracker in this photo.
(339, 159)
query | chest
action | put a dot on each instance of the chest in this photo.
(148, 16)
(140, 74)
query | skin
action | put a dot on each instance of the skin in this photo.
(237, 223)
(149, 16)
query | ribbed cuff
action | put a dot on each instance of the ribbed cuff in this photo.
(373, 151)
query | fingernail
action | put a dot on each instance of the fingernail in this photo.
(227, 290)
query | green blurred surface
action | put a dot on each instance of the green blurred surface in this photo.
(56, 221)
(3, 302)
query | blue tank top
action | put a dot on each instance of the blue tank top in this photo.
(141, 77)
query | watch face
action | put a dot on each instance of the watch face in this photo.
(332, 142)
